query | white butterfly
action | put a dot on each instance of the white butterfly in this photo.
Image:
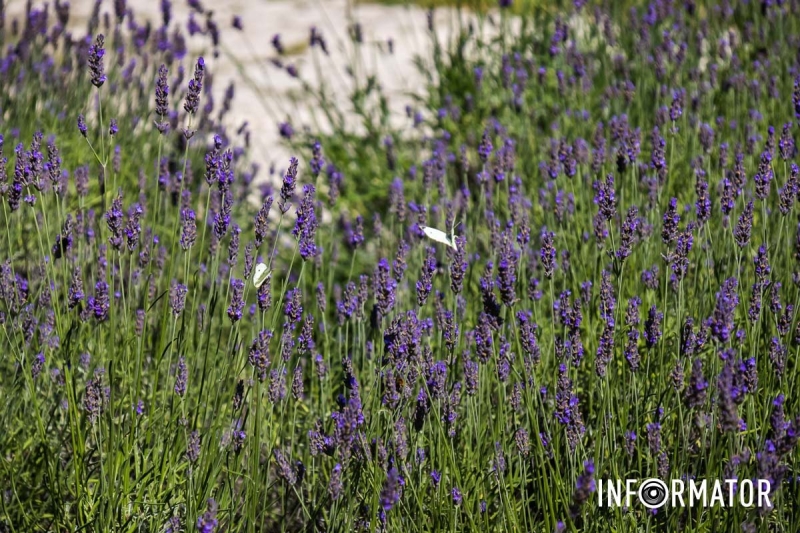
(260, 275)
(440, 236)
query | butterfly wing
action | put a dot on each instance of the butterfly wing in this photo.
(260, 275)
(436, 235)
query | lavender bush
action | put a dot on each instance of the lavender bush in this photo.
(620, 302)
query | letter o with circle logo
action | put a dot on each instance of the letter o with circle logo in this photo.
(653, 493)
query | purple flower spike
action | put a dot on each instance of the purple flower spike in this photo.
(237, 300)
(207, 523)
(335, 486)
(195, 86)
(289, 183)
(188, 229)
(652, 327)
(744, 226)
(425, 283)
(82, 125)
(457, 497)
(628, 233)
(385, 289)
(37, 365)
(96, 53)
(177, 298)
(392, 489)
(181, 376)
(305, 228)
(277, 44)
(162, 99)
(764, 176)
(584, 488)
(721, 322)
(114, 218)
(695, 394)
(193, 447)
(547, 253)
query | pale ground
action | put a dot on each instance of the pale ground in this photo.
(280, 97)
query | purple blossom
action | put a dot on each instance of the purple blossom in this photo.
(100, 304)
(237, 300)
(392, 489)
(188, 229)
(425, 283)
(259, 353)
(762, 266)
(584, 488)
(695, 393)
(652, 327)
(207, 522)
(506, 270)
(317, 161)
(721, 322)
(703, 203)
(385, 288)
(37, 365)
(627, 233)
(608, 303)
(114, 219)
(764, 176)
(796, 98)
(96, 396)
(786, 143)
(195, 86)
(305, 228)
(605, 349)
(289, 183)
(133, 227)
(777, 356)
(458, 266)
(193, 447)
(276, 43)
(744, 226)
(679, 260)
(547, 253)
(605, 198)
(335, 485)
(456, 495)
(162, 99)
(96, 53)
(181, 376)
(76, 294)
(789, 191)
(177, 298)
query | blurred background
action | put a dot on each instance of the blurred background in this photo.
(271, 86)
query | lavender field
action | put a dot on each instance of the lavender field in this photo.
(192, 341)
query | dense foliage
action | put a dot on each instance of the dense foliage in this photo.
(620, 300)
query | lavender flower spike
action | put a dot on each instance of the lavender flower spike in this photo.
(162, 99)
(207, 523)
(96, 53)
(289, 183)
(195, 86)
